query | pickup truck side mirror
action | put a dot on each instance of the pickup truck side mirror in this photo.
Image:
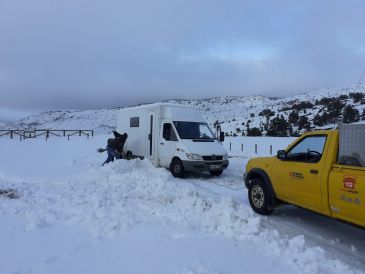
(281, 155)
(221, 137)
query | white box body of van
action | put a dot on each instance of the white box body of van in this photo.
(162, 132)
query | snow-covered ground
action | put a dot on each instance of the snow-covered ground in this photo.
(74, 216)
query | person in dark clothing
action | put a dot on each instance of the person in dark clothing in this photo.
(115, 147)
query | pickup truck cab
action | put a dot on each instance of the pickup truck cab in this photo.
(322, 171)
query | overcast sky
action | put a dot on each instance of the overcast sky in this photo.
(62, 54)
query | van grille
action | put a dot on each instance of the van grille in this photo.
(213, 158)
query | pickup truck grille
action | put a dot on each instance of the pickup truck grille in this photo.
(213, 158)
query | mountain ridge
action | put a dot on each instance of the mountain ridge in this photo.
(236, 114)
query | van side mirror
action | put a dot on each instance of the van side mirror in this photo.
(221, 137)
(281, 155)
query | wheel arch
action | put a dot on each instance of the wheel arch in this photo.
(261, 174)
(175, 158)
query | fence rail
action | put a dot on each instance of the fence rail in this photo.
(251, 148)
(47, 133)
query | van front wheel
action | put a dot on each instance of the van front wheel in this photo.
(177, 168)
(216, 172)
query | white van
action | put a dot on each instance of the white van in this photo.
(172, 136)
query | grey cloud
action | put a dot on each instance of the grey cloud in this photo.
(84, 54)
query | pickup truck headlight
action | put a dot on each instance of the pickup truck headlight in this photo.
(193, 156)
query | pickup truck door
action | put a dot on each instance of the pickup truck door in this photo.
(347, 194)
(297, 178)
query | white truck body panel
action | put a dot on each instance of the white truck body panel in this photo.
(144, 126)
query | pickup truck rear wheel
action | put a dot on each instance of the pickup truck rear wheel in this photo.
(259, 197)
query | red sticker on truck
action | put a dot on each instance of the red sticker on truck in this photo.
(349, 184)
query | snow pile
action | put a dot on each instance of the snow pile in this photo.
(126, 194)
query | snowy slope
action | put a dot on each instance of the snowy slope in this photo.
(231, 112)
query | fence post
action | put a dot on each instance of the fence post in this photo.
(270, 149)
(47, 135)
(241, 147)
(230, 146)
(11, 134)
(255, 148)
(92, 133)
(79, 132)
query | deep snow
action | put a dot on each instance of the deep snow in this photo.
(74, 216)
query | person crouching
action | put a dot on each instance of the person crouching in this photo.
(115, 147)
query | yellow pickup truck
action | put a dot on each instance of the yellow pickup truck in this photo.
(323, 171)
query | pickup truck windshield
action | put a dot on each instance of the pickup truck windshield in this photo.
(193, 130)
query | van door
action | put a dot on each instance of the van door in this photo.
(167, 145)
(347, 194)
(298, 177)
(151, 121)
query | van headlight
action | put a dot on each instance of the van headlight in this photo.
(225, 156)
(193, 156)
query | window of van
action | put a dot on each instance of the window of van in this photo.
(168, 132)
(134, 122)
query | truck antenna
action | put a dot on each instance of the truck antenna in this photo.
(362, 77)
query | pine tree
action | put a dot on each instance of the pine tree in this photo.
(278, 127)
(350, 114)
(293, 117)
(304, 123)
(267, 113)
(356, 96)
(254, 132)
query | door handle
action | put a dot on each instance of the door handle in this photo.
(314, 171)
(162, 143)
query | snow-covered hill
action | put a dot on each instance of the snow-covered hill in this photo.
(232, 112)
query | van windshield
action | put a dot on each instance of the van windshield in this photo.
(193, 130)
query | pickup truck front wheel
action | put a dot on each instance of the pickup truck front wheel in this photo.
(259, 197)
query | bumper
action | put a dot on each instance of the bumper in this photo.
(197, 166)
(245, 178)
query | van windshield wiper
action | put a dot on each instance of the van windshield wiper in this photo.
(203, 140)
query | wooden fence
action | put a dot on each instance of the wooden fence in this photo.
(47, 133)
